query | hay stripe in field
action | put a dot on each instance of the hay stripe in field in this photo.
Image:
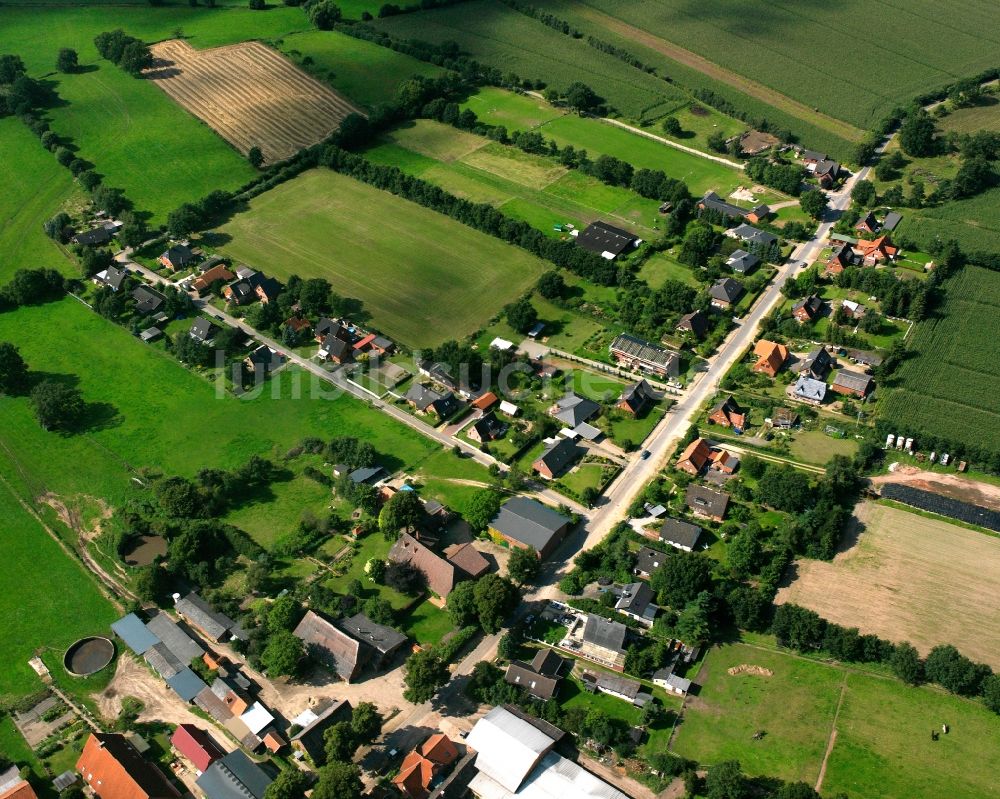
(250, 95)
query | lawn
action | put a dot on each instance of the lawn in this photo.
(427, 624)
(514, 111)
(816, 447)
(661, 267)
(49, 599)
(584, 476)
(622, 427)
(882, 748)
(573, 695)
(422, 276)
(35, 188)
(976, 118)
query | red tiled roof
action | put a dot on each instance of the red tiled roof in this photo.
(697, 453)
(22, 790)
(485, 402)
(365, 341)
(114, 769)
(196, 745)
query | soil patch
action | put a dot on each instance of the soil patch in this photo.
(746, 668)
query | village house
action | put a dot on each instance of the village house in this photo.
(525, 522)
(809, 390)
(177, 257)
(147, 300)
(111, 278)
(827, 172)
(853, 384)
(728, 413)
(695, 323)
(748, 234)
(487, 428)
(705, 502)
(263, 360)
(13, 786)
(423, 768)
(442, 573)
(647, 561)
(218, 273)
(742, 262)
(92, 238)
(541, 677)
(607, 240)
(868, 223)
(877, 251)
(573, 410)
(202, 330)
(843, 256)
(634, 353)
(852, 309)
(113, 769)
(695, 457)
(725, 292)
(724, 461)
(636, 398)
(808, 309)
(680, 534)
(313, 722)
(603, 641)
(556, 458)
(770, 357)
(427, 400)
(636, 602)
(817, 364)
(866, 359)
(349, 646)
(811, 157)
(713, 202)
(671, 683)
(784, 418)
(298, 324)
(619, 687)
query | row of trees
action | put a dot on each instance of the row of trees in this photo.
(129, 53)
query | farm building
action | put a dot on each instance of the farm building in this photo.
(705, 502)
(524, 522)
(634, 353)
(742, 262)
(422, 768)
(647, 561)
(671, 683)
(809, 390)
(713, 202)
(196, 745)
(234, 776)
(728, 413)
(350, 645)
(607, 240)
(113, 769)
(807, 309)
(695, 323)
(695, 457)
(877, 251)
(891, 221)
(619, 687)
(314, 722)
(853, 384)
(212, 624)
(725, 292)
(770, 357)
(442, 575)
(680, 534)
(636, 397)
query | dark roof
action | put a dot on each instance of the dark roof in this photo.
(726, 289)
(201, 329)
(827, 167)
(600, 237)
(339, 650)
(812, 305)
(818, 362)
(742, 261)
(97, 235)
(182, 645)
(242, 290)
(113, 277)
(440, 573)
(529, 521)
(266, 358)
(643, 350)
(489, 426)
(546, 661)
(854, 381)
(179, 254)
(813, 155)
(336, 347)
(132, 630)
(618, 684)
(149, 779)
(681, 533)
(213, 623)
(750, 233)
(868, 220)
(635, 598)
(559, 455)
(147, 300)
(186, 684)
(696, 322)
(163, 661)
(268, 285)
(445, 405)
(648, 560)
(716, 203)
(422, 396)
(235, 776)
(538, 685)
(466, 558)
(891, 220)
(704, 500)
(333, 708)
(572, 410)
(604, 633)
(379, 637)
(637, 395)
(365, 474)
(863, 357)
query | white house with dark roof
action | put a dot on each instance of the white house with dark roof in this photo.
(634, 353)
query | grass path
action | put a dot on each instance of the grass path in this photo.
(833, 735)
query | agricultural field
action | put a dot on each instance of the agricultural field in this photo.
(881, 749)
(501, 37)
(267, 102)
(35, 188)
(776, 46)
(972, 222)
(40, 619)
(422, 276)
(533, 188)
(948, 389)
(969, 120)
(911, 578)
(512, 110)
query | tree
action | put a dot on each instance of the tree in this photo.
(11, 68)
(551, 285)
(871, 322)
(481, 508)
(717, 141)
(13, 370)
(521, 315)
(255, 156)
(291, 783)
(375, 569)
(784, 488)
(725, 780)
(136, 57)
(183, 220)
(56, 405)
(324, 14)
(946, 666)
(340, 742)
(906, 664)
(693, 622)
(67, 60)
(672, 126)
(864, 194)
(523, 565)
(424, 672)
(150, 582)
(581, 97)
(283, 654)
(404, 577)
(682, 578)
(462, 604)
(991, 692)
(257, 5)
(699, 243)
(404, 511)
(916, 135)
(285, 612)
(338, 781)
(366, 722)
(796, 790)
(814, 203)
(495, 599)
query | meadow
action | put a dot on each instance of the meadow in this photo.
(35, 187)
(969, 120)
(530, 187)
(909, 578)
(422, 276)
(882, 746)
(949, 387)
(972, 222)
(921, 46)
(48, 602)
(501, 37)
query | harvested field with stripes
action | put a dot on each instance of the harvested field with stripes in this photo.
(250, 95)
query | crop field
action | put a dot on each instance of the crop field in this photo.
(970, 120)
(249, 95)
(48, 601)
(35, 187)
(972, 222)
(910, 578)
(501, 37)
(423, 277)
(949, 388)
(922, 45)
(881, 748)
(533, 188)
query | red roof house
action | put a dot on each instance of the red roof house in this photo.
(695, 457)
(880, 250)
(423, 764)
(196, 745)
(113, 769)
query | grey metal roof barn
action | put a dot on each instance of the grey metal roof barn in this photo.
(187, 684)
(212, 623)
(235, 776)
(529, 521)
(182, 645)
(132, 630)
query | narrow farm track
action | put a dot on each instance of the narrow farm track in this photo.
(250, 95)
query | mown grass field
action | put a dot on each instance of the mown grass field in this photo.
(48, 601)
(423, 277)
(35, 187)
(921, 45)
(529, 187)
(882, 748)
(503, 38)
(949, 387)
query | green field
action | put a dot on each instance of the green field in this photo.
(883, 747)
(513, 111)
(35, 187)
(48, 601)
(922, 45)
(973, 223)
(949, 388)
(976, 118)
(499, 36)
(423, 277)
(533, 188)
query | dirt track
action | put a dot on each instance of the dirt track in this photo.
(986, 495)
